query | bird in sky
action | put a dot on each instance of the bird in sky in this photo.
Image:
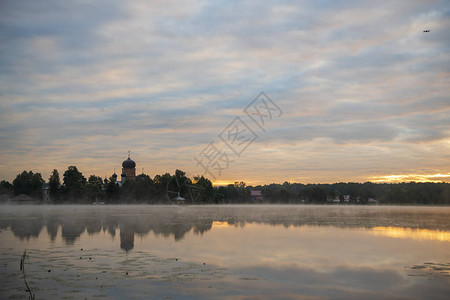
(426, 30)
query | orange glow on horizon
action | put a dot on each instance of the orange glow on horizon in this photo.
(432, 178)
(411, 177)
(222, 183)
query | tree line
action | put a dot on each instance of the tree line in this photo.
(417, 193)
(162, 189)
(74, 187)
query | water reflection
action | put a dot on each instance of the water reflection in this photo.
(414, 234)
(227, 252)
(176, 222)
(126, 238)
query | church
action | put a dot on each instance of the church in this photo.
(128, 171)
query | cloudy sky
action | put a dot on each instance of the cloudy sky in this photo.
(362, 92)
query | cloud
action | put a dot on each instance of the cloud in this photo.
(169, 76)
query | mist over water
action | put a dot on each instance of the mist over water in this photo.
(224, 251)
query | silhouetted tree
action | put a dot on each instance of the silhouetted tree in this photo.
(113, 191)
(166, 186)
(161, 183)
(6, 190)
(95, 180)
(206, 188)
(73, 183)
(315, 193)
(143, 188)
(93, 188)
(138, 190)
(29, 184)
(54, 185)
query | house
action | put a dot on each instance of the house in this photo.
(335, 200)
(372, 201)
(256, 195)
(24, 199)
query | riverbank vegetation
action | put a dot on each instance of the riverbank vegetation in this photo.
(162, 189)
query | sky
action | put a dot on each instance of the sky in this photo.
(351, 90)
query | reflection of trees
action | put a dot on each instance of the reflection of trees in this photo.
(93, 226)
(52, 227)
(73, 224)
(71, 230)
(27, 228)
(176, 222)
(202, 227)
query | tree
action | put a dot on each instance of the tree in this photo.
(113, 191)
(29, 184)
(92, 191)
(206, 187)
(161, 183)
(144, 188)
(232, 193)
(284, 196)
(315, 193)
(95, 180)
(138, 190)
(54, 184)
(74, 183)
(239, 184)
(6, 189)
(93, 188)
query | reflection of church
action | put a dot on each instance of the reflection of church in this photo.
(126, 238)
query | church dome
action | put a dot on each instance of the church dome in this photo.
(128, 164)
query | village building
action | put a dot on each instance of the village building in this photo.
(256, 195)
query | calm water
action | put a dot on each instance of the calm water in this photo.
(225, 252)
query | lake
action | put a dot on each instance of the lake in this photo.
(225, 252)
